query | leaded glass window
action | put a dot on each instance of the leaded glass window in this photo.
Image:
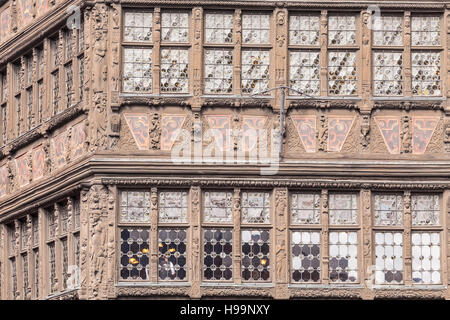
(343, 209)
(55, 88)
(255, 255)
(218, 254)
(29, 111)
(255, 71)
(342, 73)
(218, 71)
(172, 254)
(52, 264)
(18, 100)
(137, 73)
(174, 70)
(63, 214)
(25, 274)
(54, 43)
(219, 28)
(425, 30)
(65, 262)
(24, 234)
(68, 44)
(81, 76)
(425, 209)
(343, 265)
(304, 29)
(172, 206)
(426, 258)
(35, 222)
(135, 206)
(388, 210)
(255, 207)
(29, 70)
(40, 101)
(305, 208)
(13, 278)
(217, 206)
(40, 63)
(51, 225)
(69, 84)
(341, 30)
(426, 73)
(255, 28)
(304, 72)
(76, 213)
(36, 273)
(134, 254)
(389, 31)
(175, 27)
(305, 246)
(388, 78)
(388, 257)
(138, 26)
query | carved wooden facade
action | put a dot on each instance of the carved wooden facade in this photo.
(94, 206)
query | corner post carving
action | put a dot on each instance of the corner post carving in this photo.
(236, 207)
(324, 236)
(407, 237)
(195, 194)
(281, 243)
(154, 235)
(84, 236)
(237, 36)
(29, 245)
(281, 35)
(367, 261)
(197, 68)
(323, 52)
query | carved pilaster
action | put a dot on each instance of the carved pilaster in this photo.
(29, 244)
(366, 55)
(154, 235)
(156, 50)
(84, 235)
(407, 237)
(3, 259)
(237, 36)
(405, 134)
(236, 207)
(195, 194)
(407, 54)
(154, 131)
(17, 260)
(367, 261)
(280, 51)
(324, 236)
(323, 52)
(114, 77)
(111, 245)
(42, 253)
(322, 133)
(197, 68)
(281, 243)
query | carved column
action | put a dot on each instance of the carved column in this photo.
(237, 36)
(236, 207)
(19, 276)
(195, 194)
(323, 53)
(42, 253)
(70, 227)
(407, 238)
(322, 133)
(3, 262)
(281, 273)
(197, 53)
(407, 54)
(280, 52)
(84, 236)
(111, 240)
(156, 50)
(324, 236)
(154, 235)
(366, 57)
(367, 259)
(29, 245)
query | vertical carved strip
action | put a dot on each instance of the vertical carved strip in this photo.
(58, 251)
(195, 194)
(197, 69)
(325, 232)
(62, 103)
(237, 51)
(34, 111)
(281, 244)
(29, 245)
(237, 236)
(407, 54)
(17, 294)
(4, 259)
(407, 237)
(111, 245)
(70, 242)
(154, 235)
(446, 240)
(366, 56)
(405, 133)
(322, 132)
(367, 259)
(156, 50)
(84, 234)
(323, 52)
(42, 252)
(281, 35)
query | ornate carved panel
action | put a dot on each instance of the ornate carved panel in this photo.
(170, 129)
(306, 129)
(139, 127)
(78, 140)
(38, 162)
(338, 130)
(59, 144)
(422, 131)
(390, 131)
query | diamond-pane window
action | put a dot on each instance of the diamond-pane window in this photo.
(388, 31)
(137, 70)
(138, 26)
(255, 28)
(343, 256)
(134, 254)
(255, 71)
(218, 254)
(219, 28)
(305, 208)
(425, 210)
(305, 246)
(217, 207)
(387, 73)
(426, 73)
(174, 70)
(172, 206)
(341, 30)
(425, 31)
(255, 255)
(388, 257)
(388, 210)
(343, 209)
(342, 73)
(135, 206)
(304, 70)
(172, 254)
(255, 207)
(175, 27)
(304, 29)
(218, 71)
(426, 258)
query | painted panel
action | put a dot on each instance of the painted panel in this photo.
(171, 125)
(220, 126)
(26, 10)
(78, 140)
(138, 124)
(3, 181)
(59, 149)
(390, 130)
(338, 129)
(423, 129)
(306, 129)
(23, 174)
(38, 162)
(250, 127)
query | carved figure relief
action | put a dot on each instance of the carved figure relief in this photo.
(306, 129)
(155, 131)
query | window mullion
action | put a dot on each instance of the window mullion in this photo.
(323, 53)
(325, 235)
(154, 235)
(407, 254)
(237, 55)
(157, 51)
(407, 54)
